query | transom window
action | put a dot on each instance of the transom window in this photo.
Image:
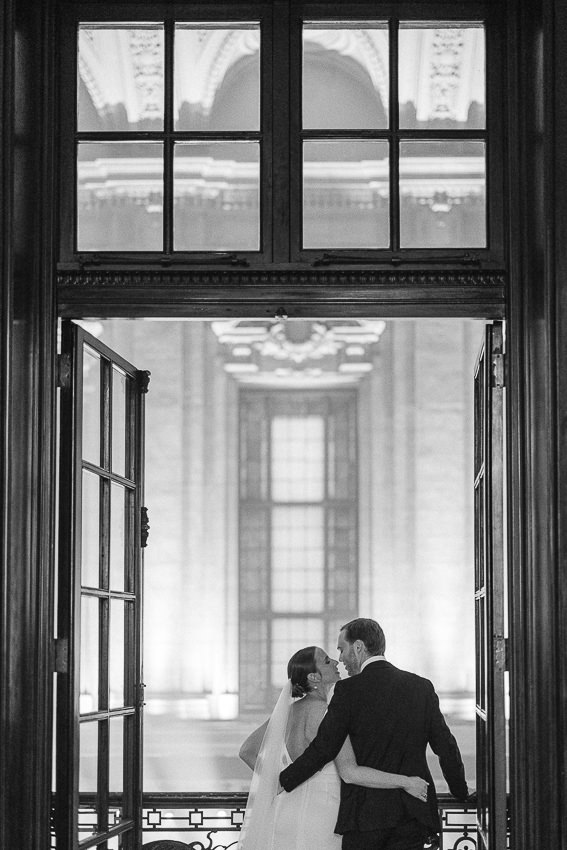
(257, 138)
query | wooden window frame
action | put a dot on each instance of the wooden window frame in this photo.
(281, 139)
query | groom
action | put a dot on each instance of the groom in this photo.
(391, 717)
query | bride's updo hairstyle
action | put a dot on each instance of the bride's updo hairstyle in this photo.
(299, 666)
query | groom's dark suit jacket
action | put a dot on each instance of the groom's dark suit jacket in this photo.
(391, 717)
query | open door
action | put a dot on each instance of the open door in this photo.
(102, 531)
(490, 590)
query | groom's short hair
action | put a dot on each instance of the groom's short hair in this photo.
(369, 632)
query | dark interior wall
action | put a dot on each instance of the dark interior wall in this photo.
(538, 412)
(26, 386)
(538, 407)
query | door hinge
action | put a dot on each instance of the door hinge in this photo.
(501, 653)
(61, 655)
(144, 527)
(64, 371)
(498, 370)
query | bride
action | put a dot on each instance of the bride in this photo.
(303, 819)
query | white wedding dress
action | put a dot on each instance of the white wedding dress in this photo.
(303, 819)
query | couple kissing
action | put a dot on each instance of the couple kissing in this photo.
(351, 771)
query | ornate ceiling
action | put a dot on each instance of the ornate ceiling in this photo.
(298, 354)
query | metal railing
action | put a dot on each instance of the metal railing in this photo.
(212, 821)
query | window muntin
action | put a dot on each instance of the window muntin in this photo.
(439, 95)
(168, 142)
(438, 202)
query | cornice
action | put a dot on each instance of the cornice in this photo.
(303, 292)
(195, 278)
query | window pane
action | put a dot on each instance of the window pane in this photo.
(345, 76)
(217, 77)
(88, 756)
(117, 532)
(88, 777)
(119, 397)
(120, 196)
(116, 748)
(346, 194)
(120, 84)
(298, 458)
(442, 76)
(216, 192)
(287, 637)
(442, 194)
(90, 513)
(91, 406)
(298, 559)
(89, 694)
(116, 653)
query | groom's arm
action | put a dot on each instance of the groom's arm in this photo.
(444, 745)
(325, 746)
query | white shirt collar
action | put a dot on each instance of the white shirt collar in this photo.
(371, 659)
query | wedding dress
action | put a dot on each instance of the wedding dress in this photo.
(303, 819)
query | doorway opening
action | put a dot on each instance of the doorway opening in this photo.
(298, 473)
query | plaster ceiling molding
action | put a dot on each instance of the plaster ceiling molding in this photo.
(457, 177)
(211, 53)
(439, 72)
(446, 59)
(298, 352)
(123, 66)
(142, 178)
(110, 180)
(92, 69)
(368, 47)
(472, 73)
(145, 48)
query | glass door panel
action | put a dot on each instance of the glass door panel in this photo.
(116, 769)
(89, 658)
(91, 406)
(119, 410)
(90, 552)
(99, 595)
(117, 536)
(116, 653)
